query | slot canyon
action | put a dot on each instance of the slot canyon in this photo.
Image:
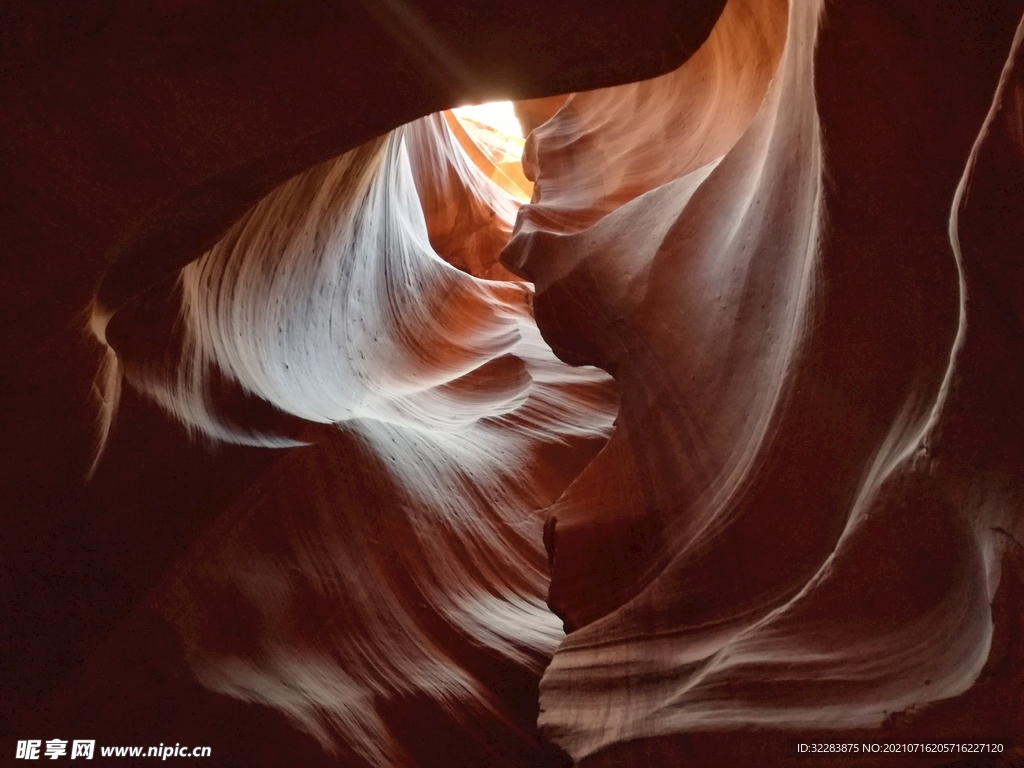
(666, 410)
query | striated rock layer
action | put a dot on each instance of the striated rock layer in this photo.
(792, 526)
(394, 564)
(135, 138)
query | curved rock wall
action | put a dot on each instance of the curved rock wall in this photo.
(784, 531)
(788, 506)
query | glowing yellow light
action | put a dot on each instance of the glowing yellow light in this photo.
(492, 136)
(497, 115)
(495, 128)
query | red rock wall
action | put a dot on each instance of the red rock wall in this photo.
(334, 445)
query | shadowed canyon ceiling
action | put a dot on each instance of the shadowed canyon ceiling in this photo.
(336, 433)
